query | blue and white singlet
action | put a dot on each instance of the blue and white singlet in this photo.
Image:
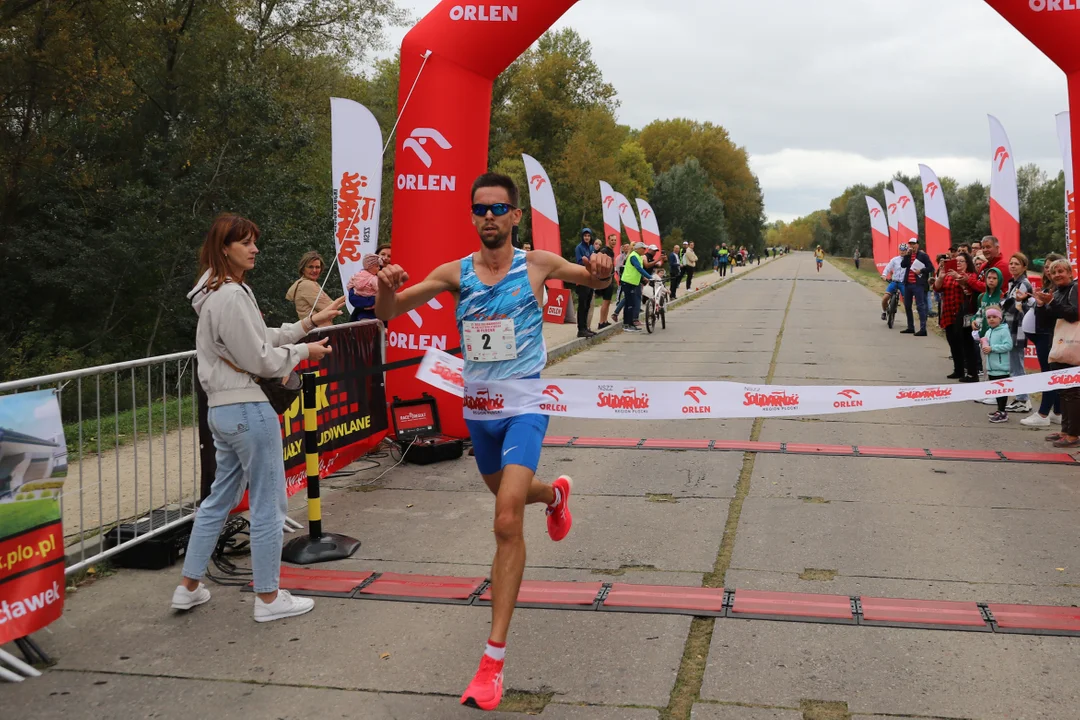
(511, 298)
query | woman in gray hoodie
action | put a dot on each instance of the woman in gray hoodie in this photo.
(233, 347)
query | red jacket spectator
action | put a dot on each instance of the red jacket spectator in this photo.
(1000, 262)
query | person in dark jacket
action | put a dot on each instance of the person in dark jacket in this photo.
(1050, 406)
(582, 253)
(916, 285)
(1061, 304)
(674, 270)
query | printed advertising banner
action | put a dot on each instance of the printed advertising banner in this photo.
(33, 464)
(650, 228)
(688, 399)
(894, 219)
(629, 220)
(356, 159)
(351, 406)
(1072, 232)
(612, 223)
(938, 233)
(1004, 193)
(545, 214)
(907, 217)
(884, 250)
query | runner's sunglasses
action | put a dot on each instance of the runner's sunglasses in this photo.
(498, 209)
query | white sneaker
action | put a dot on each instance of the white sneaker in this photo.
(184, 599)
(1055, 417)
(284, 606)
(1019, 406)
(988, 401)
(1036, 420)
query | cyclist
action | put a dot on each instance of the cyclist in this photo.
(895, 275)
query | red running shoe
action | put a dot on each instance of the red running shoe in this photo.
(486, 689)
(559, 518)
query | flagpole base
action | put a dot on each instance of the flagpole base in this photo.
(308, 550)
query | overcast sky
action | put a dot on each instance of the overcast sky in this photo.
(827, 93)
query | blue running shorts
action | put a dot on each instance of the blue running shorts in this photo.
(507, 441)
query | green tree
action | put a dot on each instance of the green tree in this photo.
(683, 197)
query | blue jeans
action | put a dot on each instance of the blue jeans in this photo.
(918, 292)
(1016, 368)
(1051, 401)
(249, 454)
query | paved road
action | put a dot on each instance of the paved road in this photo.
(896, 528)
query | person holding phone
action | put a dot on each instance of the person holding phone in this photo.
(1053, 305)
(1019, 298)
(954, 318)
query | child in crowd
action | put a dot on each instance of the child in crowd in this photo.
(997, 342)
(362, 288)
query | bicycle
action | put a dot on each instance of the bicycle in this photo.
(894, 303)
(655, 304)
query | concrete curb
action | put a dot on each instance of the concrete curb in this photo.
(566, 349)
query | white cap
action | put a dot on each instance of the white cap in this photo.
(639, 244)
(686, 242)
(653, 247)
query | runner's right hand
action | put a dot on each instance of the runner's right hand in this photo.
(392, 277)
(318, 350)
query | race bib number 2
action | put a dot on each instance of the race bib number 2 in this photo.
(489, 340)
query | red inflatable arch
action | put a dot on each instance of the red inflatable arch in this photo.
(442, 142)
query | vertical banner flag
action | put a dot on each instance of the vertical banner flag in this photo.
(907, 217)
(356, 162)
(650, 228)
(545, 215)
(1053, 26)
(612, 223)
(938, 233)
(893, 209)
(879, 233)
(33, 464)
(449, 62)
(629, 220)
(1072, 232)
(1004, 195)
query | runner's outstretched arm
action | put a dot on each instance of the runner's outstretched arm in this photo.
(595, 273)
(389, 303)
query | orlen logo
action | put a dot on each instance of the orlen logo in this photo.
(850, 401)
(1002, 387)
(696, 393)
(904, 201)
(646, 213)
(776, 400)
(1003, 154)
(892, 208)
(410, 341)
(555, 393)
(623, 207)
(875, 212)
(537, 181)
(484, 13)
(931, 189)
(609, 201)
(1053, 5)
(628, 401)
(417, 141)
(484, 402)
(1066, 377)
(924, 394)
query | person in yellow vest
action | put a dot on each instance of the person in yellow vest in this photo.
(632, 275)
(819, 256)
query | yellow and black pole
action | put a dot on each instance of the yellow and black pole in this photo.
(317, 546)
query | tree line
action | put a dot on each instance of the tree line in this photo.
(124, 129)
(845, 225)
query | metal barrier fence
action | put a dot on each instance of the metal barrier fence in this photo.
(137, 474)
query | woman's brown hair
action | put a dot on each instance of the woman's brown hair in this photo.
(1022, 258)
(226, 230)
(307, 258)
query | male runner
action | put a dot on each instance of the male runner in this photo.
(819, 256)
(501, 284)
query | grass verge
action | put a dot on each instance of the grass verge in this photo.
(119, 429)
(687, 689)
